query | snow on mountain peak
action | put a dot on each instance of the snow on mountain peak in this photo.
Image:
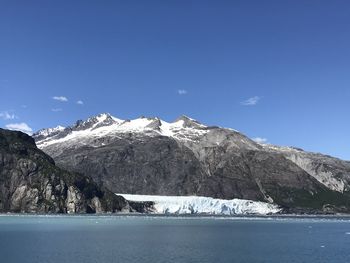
(188, 122)
(184, 128)
(50, 131)
(103, 119)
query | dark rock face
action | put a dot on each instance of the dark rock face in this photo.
(193, 159)
(156, 166)
(269, 177)
(30, 182)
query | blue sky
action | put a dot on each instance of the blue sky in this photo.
(278, 70)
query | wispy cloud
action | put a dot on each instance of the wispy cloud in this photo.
(56, 110)
(182, 92)
(80, 102)
(251, 101)
(5, 115)
(23, 127)
(260, 140)
(60, 98)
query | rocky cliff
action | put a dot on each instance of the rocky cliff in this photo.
(185, 157)
(30, 182)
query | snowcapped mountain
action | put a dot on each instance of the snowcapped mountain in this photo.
(103, 125)
(49, 132)
(149, 156)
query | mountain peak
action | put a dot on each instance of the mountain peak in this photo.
(49, 131)
(104, 124)
(149, 118)
(104, 115)
(189, 122)
(184, 118)
(103, 119)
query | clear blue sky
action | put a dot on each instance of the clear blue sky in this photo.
(205, 59)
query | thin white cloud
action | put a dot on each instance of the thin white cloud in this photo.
(80, 102)
(260, 140)
(5, 115)
(56, 110)
(60, 98)
(23, 127)
(182, 92)
(251, 101)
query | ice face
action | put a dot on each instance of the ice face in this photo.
(204, 205)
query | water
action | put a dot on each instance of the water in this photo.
(79, 239)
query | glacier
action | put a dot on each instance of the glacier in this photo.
(184, 205)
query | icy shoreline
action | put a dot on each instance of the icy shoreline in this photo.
(197, 205)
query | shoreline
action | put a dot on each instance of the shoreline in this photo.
(184, 216)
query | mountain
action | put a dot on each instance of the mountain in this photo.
(30, 182)
(148, 156)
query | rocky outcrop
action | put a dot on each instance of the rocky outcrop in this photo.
(150, 156)
(329, 171)
(30, 182)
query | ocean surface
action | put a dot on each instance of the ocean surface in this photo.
(85, 239)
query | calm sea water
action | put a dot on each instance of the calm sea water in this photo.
(86, 239)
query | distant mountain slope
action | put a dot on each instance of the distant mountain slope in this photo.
(30, 182)
(332, 172)
(185, 157)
